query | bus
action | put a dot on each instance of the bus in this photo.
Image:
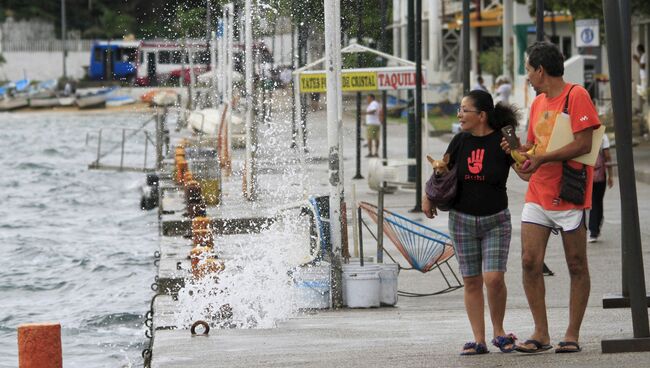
(113, 60)
(169, 61)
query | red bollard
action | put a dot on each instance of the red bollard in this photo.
(39, 345)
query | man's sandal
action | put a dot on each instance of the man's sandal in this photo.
(568, 347)
(538, 347)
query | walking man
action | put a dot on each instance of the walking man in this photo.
(373, 125)
(544, 211)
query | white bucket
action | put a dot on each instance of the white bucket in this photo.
(361, 285)
(312, 287)
(388, 273)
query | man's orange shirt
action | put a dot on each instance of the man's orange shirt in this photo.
(544, 184)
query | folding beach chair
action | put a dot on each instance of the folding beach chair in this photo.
(425, 249)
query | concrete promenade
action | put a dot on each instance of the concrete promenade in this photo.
(430, 331)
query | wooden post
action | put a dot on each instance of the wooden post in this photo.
(39, 345)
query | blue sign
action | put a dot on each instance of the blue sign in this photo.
(587, 35)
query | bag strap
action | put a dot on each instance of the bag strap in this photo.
(566, 101)
(566, 111)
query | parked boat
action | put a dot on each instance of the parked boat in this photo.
(119, 100)
(44, 101)
(9, 103)
(66, 101)
(93, 99)
(207, 121)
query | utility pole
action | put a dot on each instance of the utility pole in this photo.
(634, 293)
(63, 39)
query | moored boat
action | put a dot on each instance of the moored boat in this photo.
(93, 99)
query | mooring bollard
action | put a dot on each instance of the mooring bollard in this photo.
(200, 223)
(202, 238)
(39, 345)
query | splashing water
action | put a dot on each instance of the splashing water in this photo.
(256, 289)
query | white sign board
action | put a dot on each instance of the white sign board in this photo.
(587, 33)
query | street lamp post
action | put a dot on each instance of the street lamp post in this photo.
(63, 39)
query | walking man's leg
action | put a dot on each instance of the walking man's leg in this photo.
(575, 251)
(596, 212)
(534, 239)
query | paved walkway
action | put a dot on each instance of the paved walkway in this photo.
(429, 331)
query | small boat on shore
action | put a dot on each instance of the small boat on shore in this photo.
(66, 100)
(44, 101)
(14, 95)
(93, 99)
(122, 100)
(12, 103)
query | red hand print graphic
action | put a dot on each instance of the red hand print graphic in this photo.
(475, 163)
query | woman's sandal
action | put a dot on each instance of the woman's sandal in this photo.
(474, 348)
(502, 342)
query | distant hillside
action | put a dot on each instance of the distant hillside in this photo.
(105, 18)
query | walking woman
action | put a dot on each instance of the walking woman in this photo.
(479, 220)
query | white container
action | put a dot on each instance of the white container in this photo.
(312, 287)
(388, 273)
(361, 285)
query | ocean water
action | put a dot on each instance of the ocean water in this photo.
(76, 248)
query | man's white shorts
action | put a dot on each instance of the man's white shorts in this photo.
(567, 220)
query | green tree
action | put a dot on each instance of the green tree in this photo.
(190, 22)
(492, 61)
(588, 9)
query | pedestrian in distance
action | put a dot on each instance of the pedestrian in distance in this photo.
(544, 211)
(373, 125)
(640, 58)
(503, 90)
(479, 219)
(480, 84)
(603, 178)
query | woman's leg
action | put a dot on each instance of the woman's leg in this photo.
(474, 306)
(462, 229)
(497, 233)
(497, 294)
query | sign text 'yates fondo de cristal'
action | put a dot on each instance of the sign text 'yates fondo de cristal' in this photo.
(362, 80)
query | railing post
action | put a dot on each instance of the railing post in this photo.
(99, 146)
(146, 146)
(122, 154)
(380, 224)
(159, 140)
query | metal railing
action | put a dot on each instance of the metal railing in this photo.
(121, 145)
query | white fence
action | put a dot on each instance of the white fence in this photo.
(45, 45)
(43, 65)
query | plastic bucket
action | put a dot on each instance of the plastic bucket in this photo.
(388, 273)
(312, 287)
(361, 285)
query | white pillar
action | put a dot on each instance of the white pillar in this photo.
(435, 35)
(213, 68)
(251, 139)
(228, 37)
(334, 132)
(507, 40)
